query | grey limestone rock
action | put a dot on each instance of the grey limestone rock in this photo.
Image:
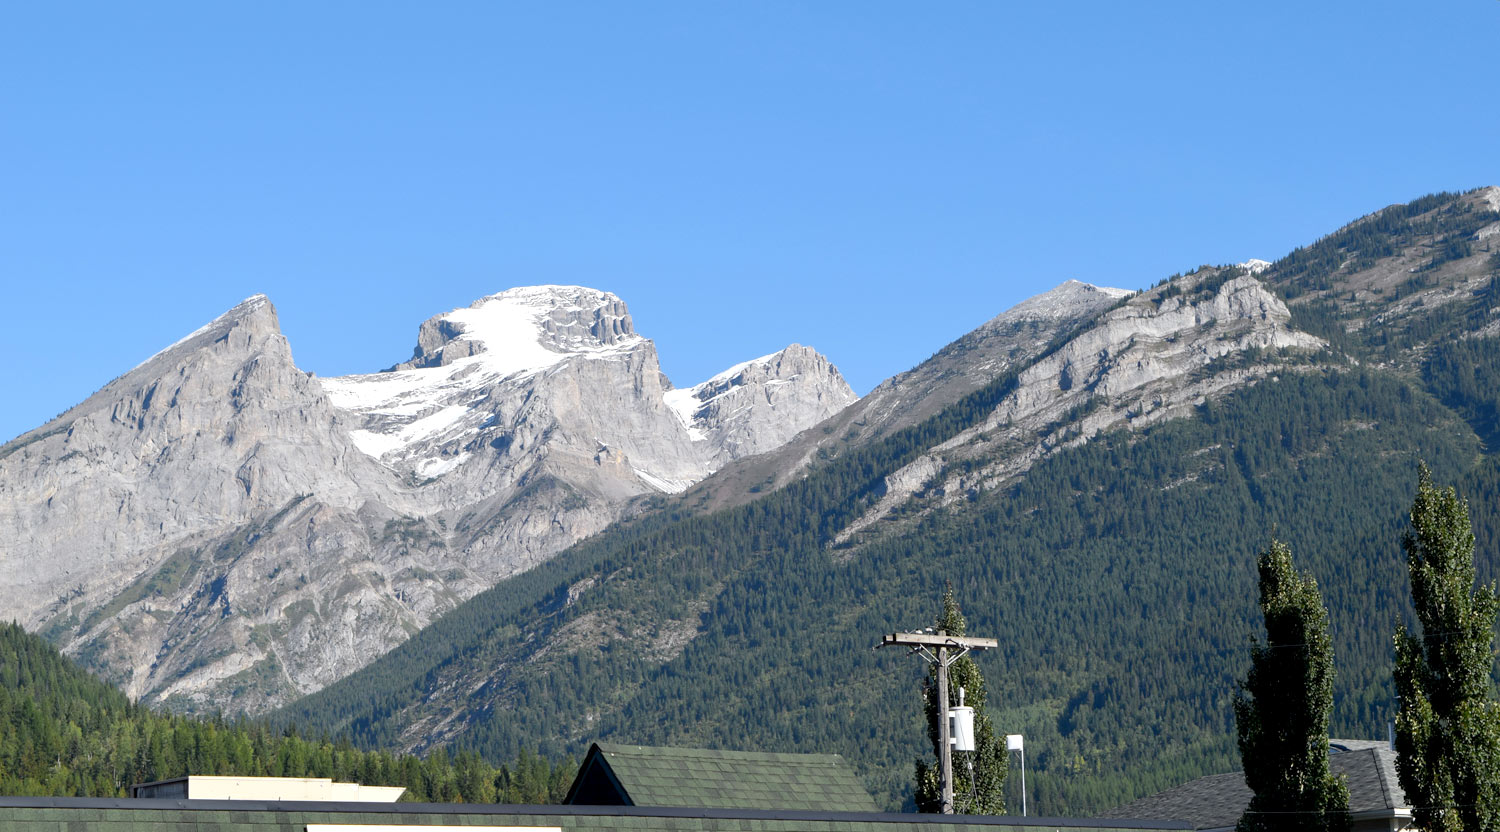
(759, 405)
(1142, 360)
(218, 529)
(1010, 339)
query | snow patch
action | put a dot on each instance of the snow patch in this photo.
(400, 393)
(431, 468)
(1255, 266)
(380, 444)
(433, 424)
(374, 444)
(662, 484)
(684, 403)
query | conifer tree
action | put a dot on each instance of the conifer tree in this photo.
(1448, 726)
(1282, 708)
(978, 775)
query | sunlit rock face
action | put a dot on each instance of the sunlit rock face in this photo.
(218, 529)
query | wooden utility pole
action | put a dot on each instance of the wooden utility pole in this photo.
(937, 648)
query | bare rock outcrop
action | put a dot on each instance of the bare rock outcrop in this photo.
(760, 405)
(1153, 356)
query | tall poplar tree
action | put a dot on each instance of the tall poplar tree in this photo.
(1282, 707)
(1448, 726)
(978, 775)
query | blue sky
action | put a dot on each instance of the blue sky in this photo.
(870, 178)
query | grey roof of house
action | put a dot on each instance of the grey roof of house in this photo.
(1217, 801)
(657, 776)
(1208, 802)
(1371, 775)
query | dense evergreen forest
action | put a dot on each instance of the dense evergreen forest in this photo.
(1118, 575)
(65, 733)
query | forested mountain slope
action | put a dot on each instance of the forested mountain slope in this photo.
(1097, 507)
(66, 733)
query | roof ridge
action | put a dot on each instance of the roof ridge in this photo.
(664, 750)
(1386, 791)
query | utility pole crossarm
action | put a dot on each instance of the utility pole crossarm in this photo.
(927, 640)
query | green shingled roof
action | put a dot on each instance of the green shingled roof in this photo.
(696, 777)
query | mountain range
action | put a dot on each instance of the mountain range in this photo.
(1092, 471)
(216, 529)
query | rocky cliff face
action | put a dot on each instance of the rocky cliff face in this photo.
(1153, 356)
(746, 410)
(217, 528)
(131, 522)
(213, 430)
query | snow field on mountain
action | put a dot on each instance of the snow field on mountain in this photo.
(510, 329)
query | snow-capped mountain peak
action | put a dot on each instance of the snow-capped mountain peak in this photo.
(525, 329)
(429, 401)
(469, 378)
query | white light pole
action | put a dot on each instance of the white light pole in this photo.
(1014, 742)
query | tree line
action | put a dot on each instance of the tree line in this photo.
(64, 732)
